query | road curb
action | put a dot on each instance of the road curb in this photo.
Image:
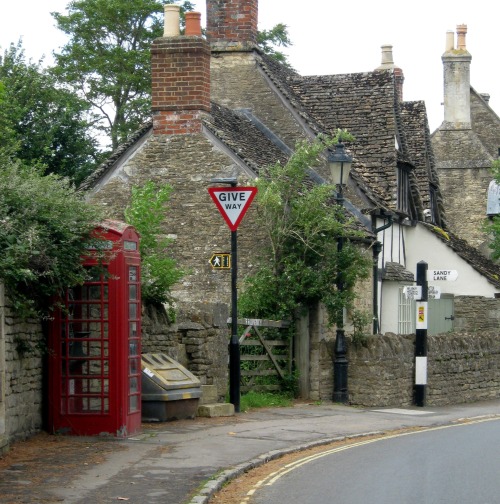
(215, 484)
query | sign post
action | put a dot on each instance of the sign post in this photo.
(233, 202)
(421, 336)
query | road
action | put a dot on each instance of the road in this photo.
(453, 464)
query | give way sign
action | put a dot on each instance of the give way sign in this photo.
(232, 202)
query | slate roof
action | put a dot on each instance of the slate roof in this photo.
(388, 134)
(238, 133)
(420, 150)
(397, 272)
(471, 255)
(365, 104)
(115, 156)
(250, 144)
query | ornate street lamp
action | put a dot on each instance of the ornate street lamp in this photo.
(340, 164)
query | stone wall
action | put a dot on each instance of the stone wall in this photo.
(21, 350)
(476, 314)
(198, 340)
(465, 193)
(462, 367)
(322, 340)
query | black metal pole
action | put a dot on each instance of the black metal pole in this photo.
(234, 346)
(421, 337)
(340, 365)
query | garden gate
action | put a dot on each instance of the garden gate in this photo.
(265, 355)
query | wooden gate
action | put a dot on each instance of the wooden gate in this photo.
(265, 354)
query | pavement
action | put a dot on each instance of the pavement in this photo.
(186, 461)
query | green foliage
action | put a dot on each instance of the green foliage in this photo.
(303, 225)
(252, 400)
(360, 321)
(45, 227)
(277, 36)
(493, 226)
(146, 213)
(41, 122)
(107, 59)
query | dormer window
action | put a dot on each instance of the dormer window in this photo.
(404, 189)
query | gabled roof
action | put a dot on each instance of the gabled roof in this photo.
(420, 150)
(470, 254)
(397, 272)
(255, 147)
(116, 155)
(365, 104)
(249, 143)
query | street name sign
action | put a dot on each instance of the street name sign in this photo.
(412, 291)
(232, 202)
(220, 260)
(442, 274)
(434, 292)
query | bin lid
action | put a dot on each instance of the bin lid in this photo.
(167, 373)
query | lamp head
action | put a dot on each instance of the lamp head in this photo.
(339, 162)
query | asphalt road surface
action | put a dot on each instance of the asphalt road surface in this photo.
(454, 464)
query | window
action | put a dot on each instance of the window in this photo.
(404, 189)
(406, 314)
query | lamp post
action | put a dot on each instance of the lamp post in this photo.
(340, 163)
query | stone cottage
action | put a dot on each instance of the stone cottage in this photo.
(222, 108)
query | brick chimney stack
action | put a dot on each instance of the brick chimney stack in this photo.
(456, 71)
(180, 72)
(232, 24)
(388, 64)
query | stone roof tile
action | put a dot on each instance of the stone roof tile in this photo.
(485, 266)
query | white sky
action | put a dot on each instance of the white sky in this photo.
(331, 38)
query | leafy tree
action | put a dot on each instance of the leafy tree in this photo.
(107, 58)
(41, 122)
(303, 225)
(159, 272)
(45, 227)
(269, 40)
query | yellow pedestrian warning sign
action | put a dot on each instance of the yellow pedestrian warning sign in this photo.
(422, 308)
(220, 260)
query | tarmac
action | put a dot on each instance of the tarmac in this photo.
(187, 461)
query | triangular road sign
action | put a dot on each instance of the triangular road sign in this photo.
(232, 202)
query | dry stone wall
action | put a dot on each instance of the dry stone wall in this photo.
(462, 367)
(476, 314)
(198, 340)
(21, 380)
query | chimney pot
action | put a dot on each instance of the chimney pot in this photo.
(171, 21)
(450, 41)
(193, 24)
(387, 58)
(461, 32)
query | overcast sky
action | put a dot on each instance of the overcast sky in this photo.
(331, 38)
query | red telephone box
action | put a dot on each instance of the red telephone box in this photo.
(94, 343)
